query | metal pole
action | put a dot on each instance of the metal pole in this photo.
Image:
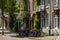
(44, 13)
(19, 19)
(58, 15)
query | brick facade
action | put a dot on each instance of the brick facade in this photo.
(53, 15)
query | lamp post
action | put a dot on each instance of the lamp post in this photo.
(18, 24)
(44, 13)
(19, 18)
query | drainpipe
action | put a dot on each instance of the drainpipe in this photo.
(51, 10)
(50, 20)
(59, 15)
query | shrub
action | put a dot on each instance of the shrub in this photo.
(44, 34)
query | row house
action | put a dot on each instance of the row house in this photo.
(49, 13)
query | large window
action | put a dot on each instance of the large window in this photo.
(42, 20)
(55, 3)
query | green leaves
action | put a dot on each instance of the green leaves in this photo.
(2, 4)
(35, 4)
(11, 6)
(22, 7)
(36, 23)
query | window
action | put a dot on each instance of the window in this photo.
(28, 4)
(55, 2)
(42, 2)
(46, 2)
(56, 22)
(46, 20)
(42, 20)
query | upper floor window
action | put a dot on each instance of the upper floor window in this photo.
(55, 2)
(46, 2)
(27, 5)
(42, 2)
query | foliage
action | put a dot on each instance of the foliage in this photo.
(11, 8)
(21, 15)
(38, 2)
(44, 34)
(22, 6)
(36, 23)
(35, 5)
(2, 4)
(2, 7)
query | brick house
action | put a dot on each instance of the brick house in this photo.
(49, 15)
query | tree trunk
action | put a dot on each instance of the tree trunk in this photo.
(2, 22)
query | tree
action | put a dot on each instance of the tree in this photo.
(2, 7)
(12, 8)
(23, 11)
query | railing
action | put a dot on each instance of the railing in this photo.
(41, 8)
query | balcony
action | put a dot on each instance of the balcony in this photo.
(55, 7)
(40, 8)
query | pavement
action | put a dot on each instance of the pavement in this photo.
(13, 37)
(58, 38)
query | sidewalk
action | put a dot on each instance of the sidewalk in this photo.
(13, 37)
(58, 38)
